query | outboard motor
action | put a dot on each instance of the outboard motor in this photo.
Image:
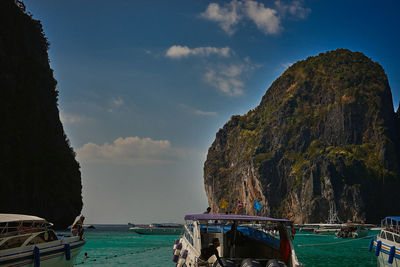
(275, 263)
(250, 263)
(227, 263)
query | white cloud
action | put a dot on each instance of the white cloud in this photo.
(177, 51)
(198, 111)
(129, 150)
(267, 19)
(225, 80)
(117, 101)
(294, 8)
(72, 118)
(287, 65)
(226, 16)
(228, 79)
(205, 113)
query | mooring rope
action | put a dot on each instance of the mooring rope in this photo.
(333, 243)
(89, 260)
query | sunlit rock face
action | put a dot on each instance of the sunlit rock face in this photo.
(38, 171)
(325, 135)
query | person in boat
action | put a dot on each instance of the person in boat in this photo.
(284, 245)
(206, 253)
(77, 227)
(234, 236)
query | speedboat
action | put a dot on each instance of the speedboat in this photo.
(29, 241)
(158, 229)
(386, 245)
(353, 230)
(245, 240)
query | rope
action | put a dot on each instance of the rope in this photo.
(120, 255)
(332, 243)
(320, 235)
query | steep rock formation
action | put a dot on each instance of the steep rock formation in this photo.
(325, 135)
(38, 171)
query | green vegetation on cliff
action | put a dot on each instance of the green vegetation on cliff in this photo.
(325, 133)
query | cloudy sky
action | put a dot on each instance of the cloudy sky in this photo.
(145, 85)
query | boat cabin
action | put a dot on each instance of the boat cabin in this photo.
(242, 237)
(24, 230)
(390, 229)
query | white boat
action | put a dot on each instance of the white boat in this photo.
(28, 241)
(245, 240)
(386, 245)
(331, 226)
(354, 230)
(158, 229)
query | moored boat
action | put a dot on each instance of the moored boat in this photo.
(29, 241)
(386, 245)
(353, 230)
(158, 229)
(242, 240)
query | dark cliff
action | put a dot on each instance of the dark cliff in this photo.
(38, 171)
(325, 135)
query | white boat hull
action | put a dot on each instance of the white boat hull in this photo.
(326, 231)
(383, 261)
(383, 257)
(157, 231)
(51, 254)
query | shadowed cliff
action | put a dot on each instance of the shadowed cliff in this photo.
(38, 171)
(325, 135)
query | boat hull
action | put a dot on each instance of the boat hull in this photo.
(383, 261)
(157, 231)
(50, 254)
(383, 257)
(326, 231)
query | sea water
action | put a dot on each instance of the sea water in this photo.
(115, 245)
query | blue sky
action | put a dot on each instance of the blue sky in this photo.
(145, 85)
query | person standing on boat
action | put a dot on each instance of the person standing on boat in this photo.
(206, 253)
(77, 227)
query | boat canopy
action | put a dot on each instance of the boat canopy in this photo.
(391, 221)
(5, 218)
(231, 217)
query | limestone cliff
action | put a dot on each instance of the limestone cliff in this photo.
(38, 171)
(324, 135)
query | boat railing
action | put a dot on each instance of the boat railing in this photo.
(12, 231)
(391, 236)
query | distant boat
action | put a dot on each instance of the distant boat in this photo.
(28, 241)
(158, 229)
(332, 226)
(85, 226)
(354, 230)
(386, 244)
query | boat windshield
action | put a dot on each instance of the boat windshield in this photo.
(21, 227)
(241, 240)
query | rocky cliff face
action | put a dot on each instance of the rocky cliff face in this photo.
(38, 171)
(325, 135)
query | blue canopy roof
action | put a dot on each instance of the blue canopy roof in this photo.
(391, 219)
(231, 217)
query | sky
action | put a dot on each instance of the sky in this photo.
(145, 85)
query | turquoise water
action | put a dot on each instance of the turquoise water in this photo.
(115, 246)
